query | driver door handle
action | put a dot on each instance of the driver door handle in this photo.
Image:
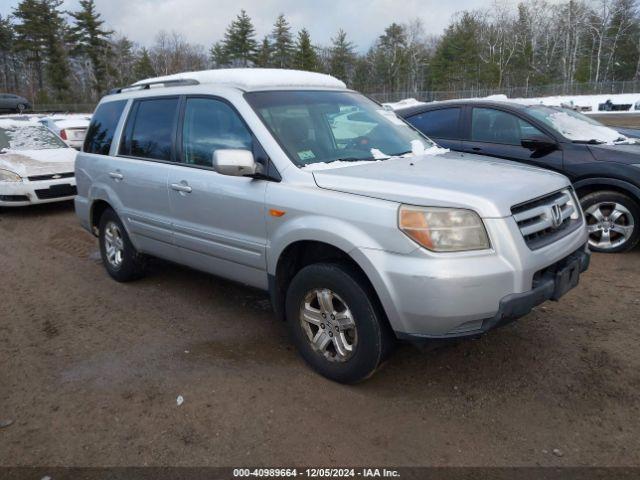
(181, 187)
(116, 175)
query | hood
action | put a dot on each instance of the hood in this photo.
(488, 186)
(28, 163)
(623, 153)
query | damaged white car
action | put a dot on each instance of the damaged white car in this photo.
(35, 165)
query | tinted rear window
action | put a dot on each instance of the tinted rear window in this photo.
(103, 126)
(150, 129)
(441, 123)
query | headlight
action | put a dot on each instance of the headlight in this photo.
(443, 229)
(9, 176)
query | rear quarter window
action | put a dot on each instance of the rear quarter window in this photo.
(442, 123)
(102, 127)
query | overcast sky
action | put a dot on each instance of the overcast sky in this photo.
(204, 21)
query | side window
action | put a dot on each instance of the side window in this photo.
(442, 123)
(496, 126)
(150, 129)
(211, 125)
(102, 127)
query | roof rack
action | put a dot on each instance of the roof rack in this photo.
(165, 83)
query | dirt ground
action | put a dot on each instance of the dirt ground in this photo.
(90, 371)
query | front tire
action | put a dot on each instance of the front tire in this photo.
(613, 221)
(119, 256)
(335, 322)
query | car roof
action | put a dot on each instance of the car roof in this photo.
(249, 79)
(408, 111)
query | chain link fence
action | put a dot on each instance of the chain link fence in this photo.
(64, 108)
(632, 86)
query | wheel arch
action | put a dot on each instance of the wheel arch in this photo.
(98, 207)
(300, 253)
(593, 184)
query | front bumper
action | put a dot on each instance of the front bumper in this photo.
(428, 295)
(551, 284)
(28, 192)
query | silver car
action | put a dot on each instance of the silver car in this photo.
(362, 234)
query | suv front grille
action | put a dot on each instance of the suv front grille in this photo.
(544, 220)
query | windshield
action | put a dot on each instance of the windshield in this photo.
(575, 126)
(323, 127)
(28, 137)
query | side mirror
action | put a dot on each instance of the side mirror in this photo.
(538, 143)
(236, 163)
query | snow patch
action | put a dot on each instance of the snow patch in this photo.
(407, 102)
(576, 129)
(16, 122)
(253, 78)
(434, 150)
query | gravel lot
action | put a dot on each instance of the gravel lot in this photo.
(91, 369)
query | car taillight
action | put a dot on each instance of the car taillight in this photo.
(63, 134)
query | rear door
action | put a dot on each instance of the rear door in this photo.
(219, 220)
(139, 173)
(443, 125)
(499, 133)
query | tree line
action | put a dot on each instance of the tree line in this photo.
(56, 56)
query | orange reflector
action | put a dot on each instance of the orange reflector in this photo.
(276, 213)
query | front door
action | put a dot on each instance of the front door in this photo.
(498, 133)
(219, 220)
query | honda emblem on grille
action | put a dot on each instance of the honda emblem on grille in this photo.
(56, 176)
(556, 216)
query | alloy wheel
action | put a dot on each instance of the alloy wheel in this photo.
(113, 244)
(609, 224)
(329, 325)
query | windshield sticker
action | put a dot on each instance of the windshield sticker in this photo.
(306, 155)
(392, 117)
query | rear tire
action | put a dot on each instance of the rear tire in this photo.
(21, 107)
(335, 322)
(613, 221)
(119, 256)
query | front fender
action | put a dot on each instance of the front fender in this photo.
(332, 231)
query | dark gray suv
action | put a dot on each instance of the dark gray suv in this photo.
(14, 103)
(602, 163)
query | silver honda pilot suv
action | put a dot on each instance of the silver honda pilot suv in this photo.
(362, 230)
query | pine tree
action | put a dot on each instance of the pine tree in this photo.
(342, 56)
(91, 40)
(456, 61)
(143, 68)
(239, 41)
(218, 55)
(306, 57)
(7, 57)
(263, 58)
(282, 43)
(40, 36)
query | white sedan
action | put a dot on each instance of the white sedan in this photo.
(69, 127)
(35, 165)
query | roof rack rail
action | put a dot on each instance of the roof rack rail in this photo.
(166, 83)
